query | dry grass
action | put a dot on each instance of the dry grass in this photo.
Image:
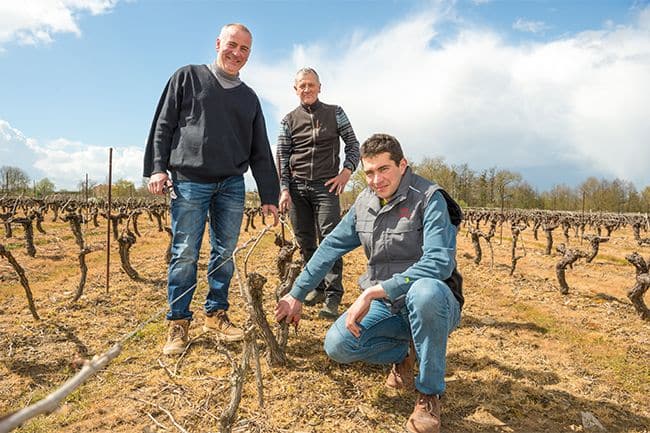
(525, 359)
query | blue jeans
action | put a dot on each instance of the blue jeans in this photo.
(224, 203)
(314, 214)
(430, 314)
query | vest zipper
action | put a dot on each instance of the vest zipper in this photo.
(334, 155)
(313, 148)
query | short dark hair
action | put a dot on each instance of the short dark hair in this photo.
(381, 143)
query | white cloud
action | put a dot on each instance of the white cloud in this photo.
(578, 101)
(35, 22)
(66, 162)
(15, 148)
(529, 26)
(475, 97)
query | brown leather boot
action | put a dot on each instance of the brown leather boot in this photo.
(426, 415)
(219, 323)
(401, 375)
(177, 337)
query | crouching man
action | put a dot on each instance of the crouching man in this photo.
(412, 292)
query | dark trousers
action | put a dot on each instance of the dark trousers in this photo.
(314, 213)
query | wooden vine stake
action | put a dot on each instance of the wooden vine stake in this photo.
(108, 223)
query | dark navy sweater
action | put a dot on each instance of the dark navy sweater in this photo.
(205, 133)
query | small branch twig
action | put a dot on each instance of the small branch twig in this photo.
(49, 403)
(168, 413)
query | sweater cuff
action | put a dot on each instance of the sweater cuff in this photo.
(349, 165)
(299, 293)
(396, 286)
(270, 198)
(159, 167)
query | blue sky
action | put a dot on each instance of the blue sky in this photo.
(556, 90)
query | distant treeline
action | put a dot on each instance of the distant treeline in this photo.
(15, 181)
(491, 187)
(497, 188)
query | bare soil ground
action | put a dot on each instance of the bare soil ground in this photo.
(525, 358)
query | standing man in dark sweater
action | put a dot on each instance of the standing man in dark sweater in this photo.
(308, 154)
(207, 130)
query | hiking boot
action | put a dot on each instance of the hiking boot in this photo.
(218, 322)
(401, 375)
(330, 309)
(426, 415)
(314, 297)
(177, 338)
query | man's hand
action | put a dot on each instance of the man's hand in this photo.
(360, 307)
(268, 209)
(285, 200)
(157, 182)
(288, 308)
(337, 184)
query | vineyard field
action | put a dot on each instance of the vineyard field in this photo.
(526, 358)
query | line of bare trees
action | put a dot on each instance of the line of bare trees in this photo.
(507, 189)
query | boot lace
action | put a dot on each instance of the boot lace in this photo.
(225, 321)
(177, 331)
(396, 372)
(427, 402)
